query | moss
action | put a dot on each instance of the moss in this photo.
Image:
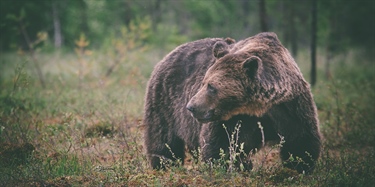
(100, 129)
(14, 154)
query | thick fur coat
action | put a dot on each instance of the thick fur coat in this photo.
(203, 84)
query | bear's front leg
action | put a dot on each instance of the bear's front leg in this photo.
(161, 154)
(301, 153)
(214, 137)
(161, 147)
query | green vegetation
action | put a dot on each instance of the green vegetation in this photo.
(71, 112)
(90, 133)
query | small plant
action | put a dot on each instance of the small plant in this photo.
(267, 152)
(14, 109)
(131, 37)
(164, 162)
(41, 37)
(100, 129)
(21, 79)
(82, 52)
(262, 132)
(236, 149)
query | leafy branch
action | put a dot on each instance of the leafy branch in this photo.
(42, 36)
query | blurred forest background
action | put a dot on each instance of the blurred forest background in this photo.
(73, 74)
(335, 26)
(341, 24)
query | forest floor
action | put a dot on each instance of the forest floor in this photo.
(85, 128)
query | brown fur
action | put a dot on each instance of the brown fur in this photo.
(221, 82)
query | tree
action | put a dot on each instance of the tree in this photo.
(313, 41)
(83, 15)
(293, 29)
(57, 35)
(156, 13)
(263, 16)
(246, 11)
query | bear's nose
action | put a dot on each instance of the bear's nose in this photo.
(190, 108)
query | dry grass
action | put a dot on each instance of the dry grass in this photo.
(91, 135)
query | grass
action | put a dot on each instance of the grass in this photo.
(90, 134)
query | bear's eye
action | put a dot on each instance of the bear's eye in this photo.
(211, 89)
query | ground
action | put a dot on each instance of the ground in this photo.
(91, 135)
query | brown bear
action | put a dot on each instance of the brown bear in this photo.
(202, 85)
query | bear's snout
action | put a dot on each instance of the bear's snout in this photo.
(191, 108)
(199, 114)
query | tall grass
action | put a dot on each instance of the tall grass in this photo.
(91, 134)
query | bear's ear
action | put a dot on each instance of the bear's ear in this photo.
(230, 41)
(252, 66)
(220, 49)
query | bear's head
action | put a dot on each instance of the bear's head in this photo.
(247, 78)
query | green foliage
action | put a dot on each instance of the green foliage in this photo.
(16, 108)
(135, 36)
(100, 129)
(337, 24)
(236, 149)
(340, 25)
(350, 168)
(346, 104)
(92, 135)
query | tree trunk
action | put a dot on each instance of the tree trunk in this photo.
(127, 15)
(32, 53)
(84, 23)
(156, 14)
(285, 25)
(263, 16)
(313, 41)
(327, 65)
(56, 25)
(293, 30)
(246, 11)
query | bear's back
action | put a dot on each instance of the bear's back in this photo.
(186, 60)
